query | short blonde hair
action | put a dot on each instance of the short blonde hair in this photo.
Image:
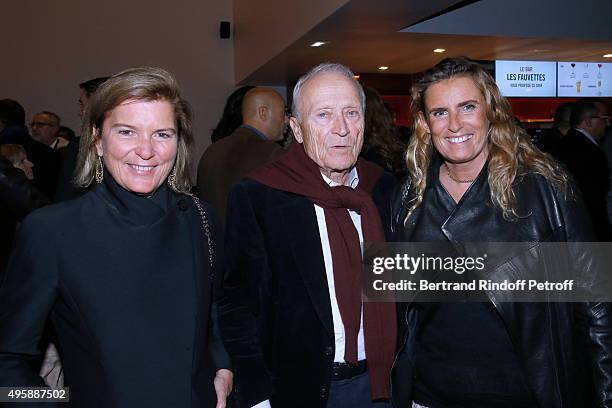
(144, 84)
(13, 152)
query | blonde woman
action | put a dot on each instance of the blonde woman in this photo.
(475, 177)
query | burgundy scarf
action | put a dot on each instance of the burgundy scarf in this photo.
(296, 173)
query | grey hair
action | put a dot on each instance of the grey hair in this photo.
(55, 116)
(324, 68)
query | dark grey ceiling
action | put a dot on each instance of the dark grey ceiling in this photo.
(365, 34)
(586, 19)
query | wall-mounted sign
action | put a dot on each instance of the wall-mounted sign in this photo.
(584, 79)
(526, 78)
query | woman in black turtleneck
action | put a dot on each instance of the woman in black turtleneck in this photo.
(126, 272)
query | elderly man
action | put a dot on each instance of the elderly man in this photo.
(292, 315)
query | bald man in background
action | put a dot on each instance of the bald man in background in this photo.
(228, 160)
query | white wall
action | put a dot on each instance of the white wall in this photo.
(55, 44)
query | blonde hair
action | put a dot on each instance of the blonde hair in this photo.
(144, 84)
(511, 153)
(13, 153)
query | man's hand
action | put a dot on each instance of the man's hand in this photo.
(224, 381)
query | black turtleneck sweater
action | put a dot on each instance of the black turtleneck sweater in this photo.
(127, 284)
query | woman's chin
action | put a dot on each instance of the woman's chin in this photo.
(141, 187)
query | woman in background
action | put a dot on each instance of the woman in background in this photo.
(381, 139)
(16, 154)
(232, 114)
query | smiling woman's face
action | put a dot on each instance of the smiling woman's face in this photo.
(139, 144)
(455, 115)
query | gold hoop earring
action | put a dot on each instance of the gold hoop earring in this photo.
(172, 179)
(99, 170)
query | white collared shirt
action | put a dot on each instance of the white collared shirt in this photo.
(339, 336)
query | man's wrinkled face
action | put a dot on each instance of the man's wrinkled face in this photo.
(331, 124)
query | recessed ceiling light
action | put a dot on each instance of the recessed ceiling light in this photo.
(607, 55)
(383, 68)
(318, 43)
(439, 50)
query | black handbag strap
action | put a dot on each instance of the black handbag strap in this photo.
(206, 232)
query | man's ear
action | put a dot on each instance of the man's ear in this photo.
(263, 113)
(297, 130)
(95, 133)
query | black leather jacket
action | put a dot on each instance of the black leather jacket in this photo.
(565, 349)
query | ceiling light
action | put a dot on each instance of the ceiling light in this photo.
(439, 50)
(318, 43)
(383, 68)
(607, 55)
(357, 76)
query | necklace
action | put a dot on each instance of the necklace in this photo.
(455, 179)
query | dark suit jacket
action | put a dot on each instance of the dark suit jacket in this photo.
(228, 160)
(588, 164)
(276, 317)
(69, 156)
(127, 284)
(550, 141)
(46, 160)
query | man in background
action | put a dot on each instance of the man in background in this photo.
(46, 160)
(69, 155)
(586, 161)
(45, 129)
(553, 137)
(228, 160)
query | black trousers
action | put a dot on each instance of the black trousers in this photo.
(353, 393)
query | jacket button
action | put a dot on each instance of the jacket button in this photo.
(323, 392)
(329, 350)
